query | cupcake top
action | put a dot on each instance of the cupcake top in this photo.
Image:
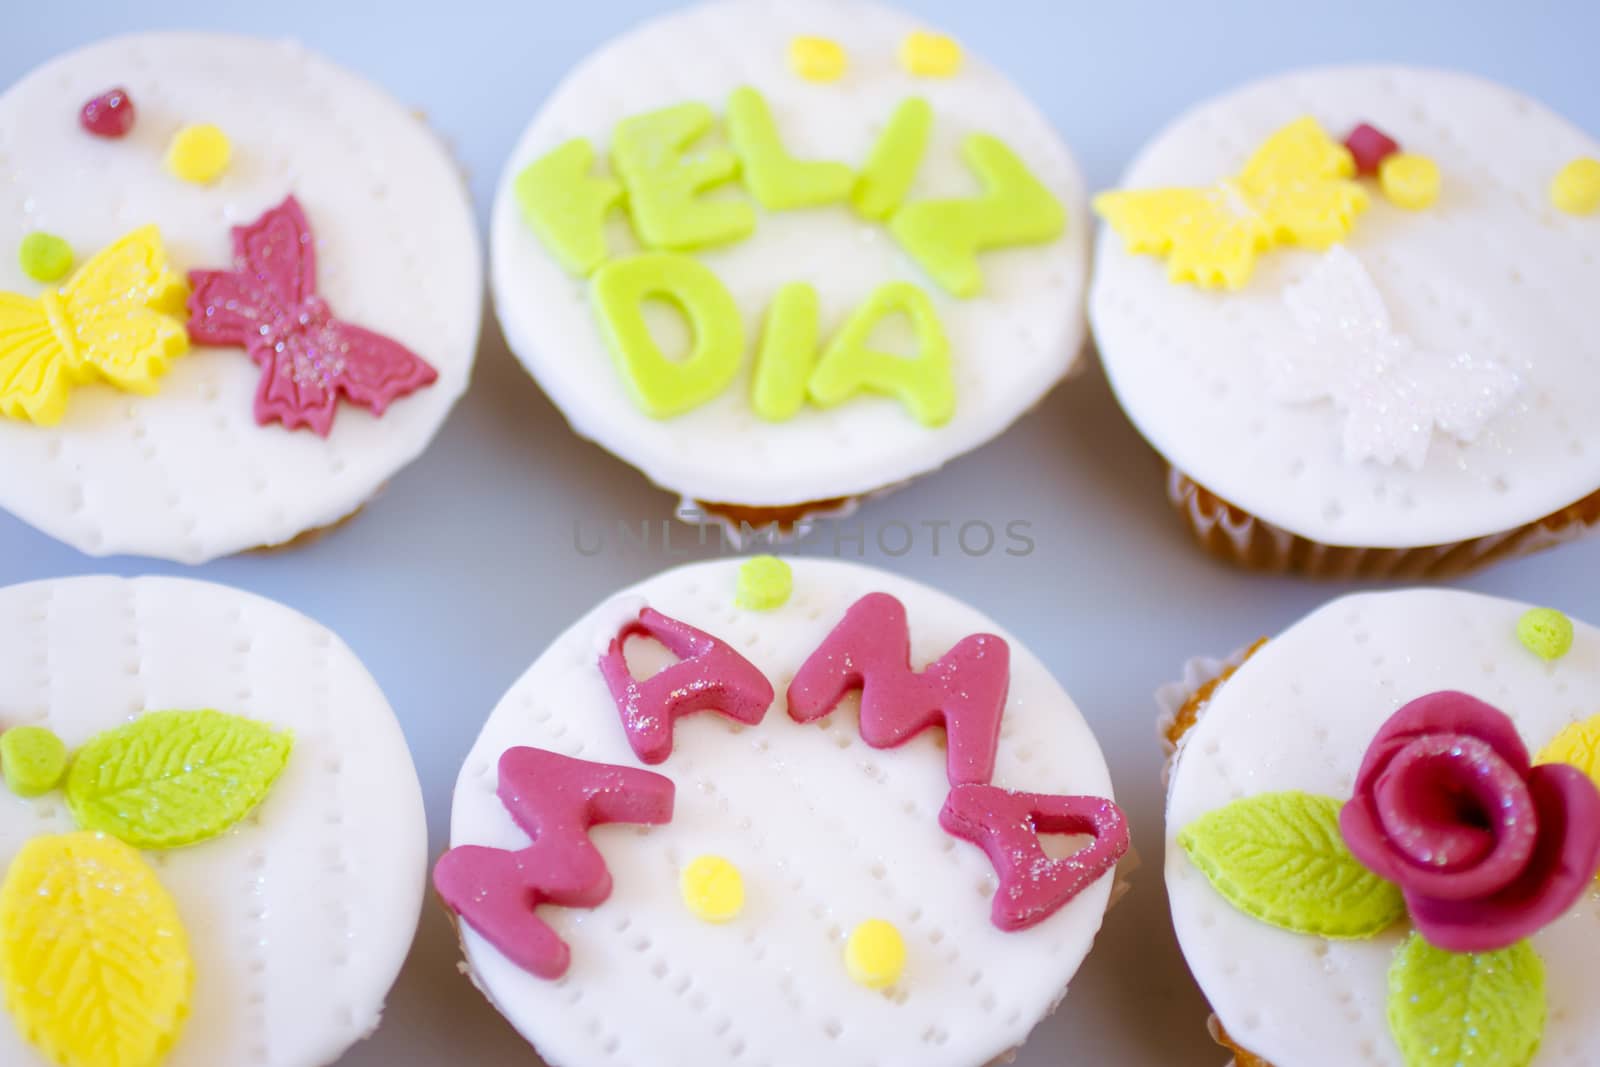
(877, 244)
(242, 290)
(230, 868)
(1355, 303)
(1382, 836)
(801, 883)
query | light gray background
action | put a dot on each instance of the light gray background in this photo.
(452, 581)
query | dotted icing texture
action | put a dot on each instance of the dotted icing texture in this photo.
(187, 474)
(327, 872)
(826, 832)
(1491, 268)
(1299, 715)
(1006, 348)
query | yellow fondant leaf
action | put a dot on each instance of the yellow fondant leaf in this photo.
(93, 956)
(1297, 189)
(116, 320)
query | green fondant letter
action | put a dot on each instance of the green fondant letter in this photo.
(664, 181)
(778, 180)
(945, 236)
(566, 206)
(922, 382)
(788, 349)
(893, 163)
(661, 386)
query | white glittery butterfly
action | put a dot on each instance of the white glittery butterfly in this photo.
(1393, 393)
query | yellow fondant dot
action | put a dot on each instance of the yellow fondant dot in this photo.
(875, 954)
(816, 59)
(930, 55)
(1546, 633)
(199, 154)
(1576, 187)
(712, 889)
(765, 583)
(1409, 180)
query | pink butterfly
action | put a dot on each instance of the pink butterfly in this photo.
(268, 303)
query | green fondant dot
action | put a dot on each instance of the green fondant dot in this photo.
(765, 583)
(1546, 633)
(33, 760)
(45, 257)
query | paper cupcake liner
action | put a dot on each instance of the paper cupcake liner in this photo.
(1230, 533)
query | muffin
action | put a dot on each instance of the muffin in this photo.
(1348, 307)
(1383, 830)
(244, 291)
(811, 877)
(782, 255)
(213, 842)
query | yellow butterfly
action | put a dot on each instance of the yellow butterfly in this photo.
(112, 320)
(1296, 190)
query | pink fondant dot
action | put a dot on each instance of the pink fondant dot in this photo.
(1370, 146)
(110, 114)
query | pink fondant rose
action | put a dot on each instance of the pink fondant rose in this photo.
(1486, 848)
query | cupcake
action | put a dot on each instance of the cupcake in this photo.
(1383, 830)
(784, 254)
(850, 871)
(1348, 306)
(243, 291)
(211, 832)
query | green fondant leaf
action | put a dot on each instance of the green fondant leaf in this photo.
(1450, 1009)
(172, 778)
(1280, 857)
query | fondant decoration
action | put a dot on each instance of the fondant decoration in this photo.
(566, 205)
(1486, 849)
(32, 759)
(870, 649)
(892, 165)
(930, 55)
(1281, 858)
(93, 957)
(817, 59)
(779, 181)
(112, 321)
(1545, 632)
(709, 676)
(1577, 745)
(1007, 826)
(1409, 180)
(945, 236)
(924, 382)
(875, 954)
(765, 583)
(787, 354)
(172, 778)
(199, 153)
(712, 888)
(1576, 187)
(662, 386)
(44, 257)
(1394, 394)
(268, 304)
(555, 799)
(1297, 189)
(108, 115)
(1450, 1009)
(664, 177)
(1369, 147)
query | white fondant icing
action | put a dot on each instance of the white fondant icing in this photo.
(825, 831)
(187, 474)
(1300, 715)
(1009, 345)
(1491, 268)
(300, 915)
